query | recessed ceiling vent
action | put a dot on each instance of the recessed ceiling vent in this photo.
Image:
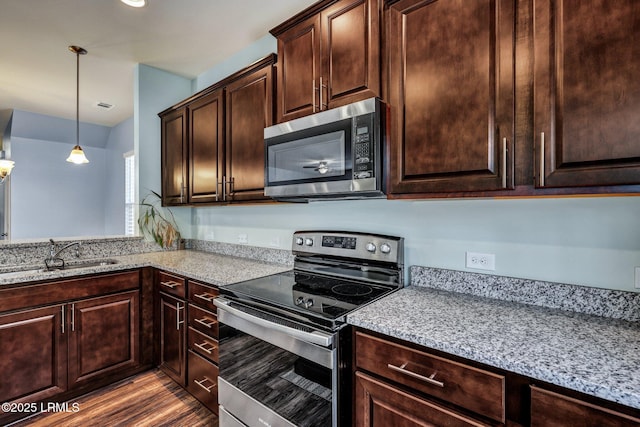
(103, 105)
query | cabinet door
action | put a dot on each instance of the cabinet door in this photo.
(174, 155)
(172, 338)
(549, 409)
(299, 70)
(103, 336)
(249, 109)
(451, 92)
(587, 92)
(34, 354)
(350, 52)
(206, 145)
(380, 404)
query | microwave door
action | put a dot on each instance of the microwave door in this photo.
(310, 161)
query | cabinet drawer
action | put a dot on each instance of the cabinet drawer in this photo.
(203, 381)
(203, 321)
(549, 409)
(471, 388)
(171, 284)
(12, 298)
(378, 403)
(202, 295)
(203, 344)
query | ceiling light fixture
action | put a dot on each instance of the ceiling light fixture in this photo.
(77, 155)
(134, 3)
(5, 166)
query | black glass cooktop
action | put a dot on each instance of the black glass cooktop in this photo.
(308, 294)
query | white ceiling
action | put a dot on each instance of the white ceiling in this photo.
(185, 37)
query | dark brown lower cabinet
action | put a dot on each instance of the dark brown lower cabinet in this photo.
(187, 336)
(551, 409)
(172, 329)
(63, 338)
(401, 384)
(34, 354)
(103, 336)
(380, 404)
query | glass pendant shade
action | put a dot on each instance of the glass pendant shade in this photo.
(5, 168)
(77, 156)
(134, 3)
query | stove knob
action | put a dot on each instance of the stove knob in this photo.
(308, 241)
(299, 241)
(308, 303)
(371, 247)
(385, 248)
(299, 300)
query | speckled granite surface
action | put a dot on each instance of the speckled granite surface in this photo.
(590, 354)
(211, 268)
(581, 299)
(278, 256)
(33, 252)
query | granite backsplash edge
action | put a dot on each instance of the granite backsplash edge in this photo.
(609, 303)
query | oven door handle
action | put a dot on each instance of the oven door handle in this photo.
(315, 337)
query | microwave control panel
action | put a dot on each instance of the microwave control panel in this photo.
(364, 143)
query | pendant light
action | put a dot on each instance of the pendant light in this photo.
(77, 155)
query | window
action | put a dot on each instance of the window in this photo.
(129, 194)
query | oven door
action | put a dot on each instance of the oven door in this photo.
(274, 374)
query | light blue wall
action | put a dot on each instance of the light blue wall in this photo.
(51, 197)
(120, 141)
(587, 241)
(54, 198)
(154, 91)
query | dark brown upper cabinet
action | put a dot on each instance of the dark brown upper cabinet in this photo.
(586, 93)
(328, 56)
(206, 145)
(451, 93)
(174, 156)
(213, 142)
(249, 109)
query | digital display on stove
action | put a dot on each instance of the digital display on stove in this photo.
(339, 242)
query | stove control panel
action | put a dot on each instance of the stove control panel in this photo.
(375, 247)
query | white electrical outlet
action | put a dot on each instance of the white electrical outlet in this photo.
(481, 261)
(243, 238)
(275, 242)
(638, 277)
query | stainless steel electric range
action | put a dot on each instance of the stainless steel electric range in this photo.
(285, 347)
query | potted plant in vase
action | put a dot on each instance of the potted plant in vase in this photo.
(156, 224)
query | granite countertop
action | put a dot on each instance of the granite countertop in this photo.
(591, 354)
(215, 269)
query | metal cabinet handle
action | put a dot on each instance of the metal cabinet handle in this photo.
(73, 317)
(201, 384)
(504, 162)
(204, 348)
(62, 315)
(541, 159)
(170, 284)
(322, 104)
(206, 322)
(206, 296)
(429, 379)
(178, 321)
(315, 109)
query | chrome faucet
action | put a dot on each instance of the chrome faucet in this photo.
(54, 260)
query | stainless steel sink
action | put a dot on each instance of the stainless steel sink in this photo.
(88, 263)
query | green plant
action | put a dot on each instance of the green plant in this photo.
(156, 225)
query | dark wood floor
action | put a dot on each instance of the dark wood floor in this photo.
(149, 399)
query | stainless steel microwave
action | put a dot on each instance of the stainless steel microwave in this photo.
(333, 154)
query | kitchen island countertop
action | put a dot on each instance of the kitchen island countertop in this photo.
(590, 354)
